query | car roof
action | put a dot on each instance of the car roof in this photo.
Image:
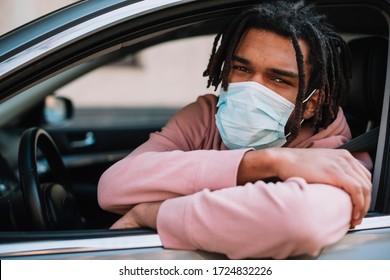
(55, 22)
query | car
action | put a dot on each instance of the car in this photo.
(82, 87)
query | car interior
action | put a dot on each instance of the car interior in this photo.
(368, 42)
(364, 104)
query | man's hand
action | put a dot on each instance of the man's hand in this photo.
(141, 215)
(327, 166)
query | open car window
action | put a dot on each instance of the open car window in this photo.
(164, 75)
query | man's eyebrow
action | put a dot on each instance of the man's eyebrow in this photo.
(241, 60)
(278, 71)
(284, 72)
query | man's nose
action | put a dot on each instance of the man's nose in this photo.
(258, 78)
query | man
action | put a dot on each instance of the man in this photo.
(233, 174)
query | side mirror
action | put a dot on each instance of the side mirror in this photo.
(57, 110)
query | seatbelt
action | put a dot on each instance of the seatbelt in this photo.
(366, 142)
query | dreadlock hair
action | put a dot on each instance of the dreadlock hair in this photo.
(329, 55)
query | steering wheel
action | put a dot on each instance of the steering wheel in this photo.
(50, 205)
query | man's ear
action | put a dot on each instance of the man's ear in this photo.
(311, 105)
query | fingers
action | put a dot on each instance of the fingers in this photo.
(126, 221)
(364, 187)
(361, 205)
(141, 215)
(357, 182)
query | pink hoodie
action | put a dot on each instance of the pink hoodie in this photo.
(187, 166)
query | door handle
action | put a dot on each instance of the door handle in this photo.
(88, 141)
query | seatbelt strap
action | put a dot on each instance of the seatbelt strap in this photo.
(366, 142)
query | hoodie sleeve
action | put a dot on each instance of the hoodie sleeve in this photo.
(135, 179)
(173, 162)
(259, 220)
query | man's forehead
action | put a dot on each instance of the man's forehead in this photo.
(304, 46)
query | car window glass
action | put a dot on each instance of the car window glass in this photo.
(165, 75)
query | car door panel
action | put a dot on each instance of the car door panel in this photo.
(89, 149)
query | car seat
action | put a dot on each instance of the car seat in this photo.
(364, 102)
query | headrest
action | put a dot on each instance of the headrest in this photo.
(369, 63)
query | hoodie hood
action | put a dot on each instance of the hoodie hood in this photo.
(336, 134)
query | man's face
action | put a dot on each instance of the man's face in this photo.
(269, 59)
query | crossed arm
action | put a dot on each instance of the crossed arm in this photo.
(340, 170)
(256, 220)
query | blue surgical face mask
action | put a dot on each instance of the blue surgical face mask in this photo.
(251, 115)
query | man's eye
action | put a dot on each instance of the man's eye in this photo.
(281, 81)
(241, 68)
